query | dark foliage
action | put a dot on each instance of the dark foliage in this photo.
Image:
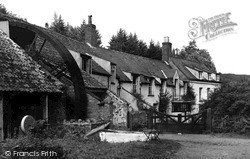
(77, 33)
(190, 95)
(193, 53)
(138, 120)
(230, 105)
(130, 43)
(164, 100)
(3, 9)
(154, 51)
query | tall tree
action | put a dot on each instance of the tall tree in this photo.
(131, 44)
(192, 52)
(118, 42)
(154, 50)
(77, 33)
(99, 38)
(3, 9)
(142, 48)
(59, 25)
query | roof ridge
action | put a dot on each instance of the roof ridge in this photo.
(122, 52)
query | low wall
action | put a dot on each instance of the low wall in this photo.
(122, 136)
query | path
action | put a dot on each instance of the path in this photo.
(210, 147)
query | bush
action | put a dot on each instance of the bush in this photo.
(138, 120)
(229, 105)
(164, 100)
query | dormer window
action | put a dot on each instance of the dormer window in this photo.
(87, 65)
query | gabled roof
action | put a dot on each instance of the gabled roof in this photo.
(182, 65)
(18, 72)
(134, 64)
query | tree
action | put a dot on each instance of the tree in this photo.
(193, 53)
(230, 105)
(99, 38)
(142, 48)
(77, 33)
(58, 25)
(130, 43)
(190, 95)
(118, 42)
(154, 50)
(164, 100)
(3, 9)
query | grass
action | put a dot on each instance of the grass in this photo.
(135, 150)
(95, 149)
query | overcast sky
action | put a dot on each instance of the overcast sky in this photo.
(152, 19)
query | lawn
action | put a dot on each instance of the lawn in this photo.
(93, 148)
(69, 143)
(139, 150)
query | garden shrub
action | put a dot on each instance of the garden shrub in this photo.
(164, 100)
(138, 120)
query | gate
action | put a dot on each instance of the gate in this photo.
(195, 123)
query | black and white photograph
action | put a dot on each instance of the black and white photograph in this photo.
(117, 79)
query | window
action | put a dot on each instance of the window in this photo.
(181, 107)
(84, 64)
(209, 76)
(150, 87)
(90, 66)
(175, 89)
(112, 69)
(208, 92)
(217, 77)
(113, 73)
(200, 93)
(135, 84)
(200, 75)
(119, 90)
(87, 65)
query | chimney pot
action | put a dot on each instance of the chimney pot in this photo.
(90, 19)
(166, 39)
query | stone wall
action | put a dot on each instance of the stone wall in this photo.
(119, 109)
(97, 110)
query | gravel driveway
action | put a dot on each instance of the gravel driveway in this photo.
(210, 147)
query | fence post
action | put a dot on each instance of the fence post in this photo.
(209, 120)
(150, 119)
(179, 122)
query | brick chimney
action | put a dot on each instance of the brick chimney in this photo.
(90, 34)
(166, 49)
